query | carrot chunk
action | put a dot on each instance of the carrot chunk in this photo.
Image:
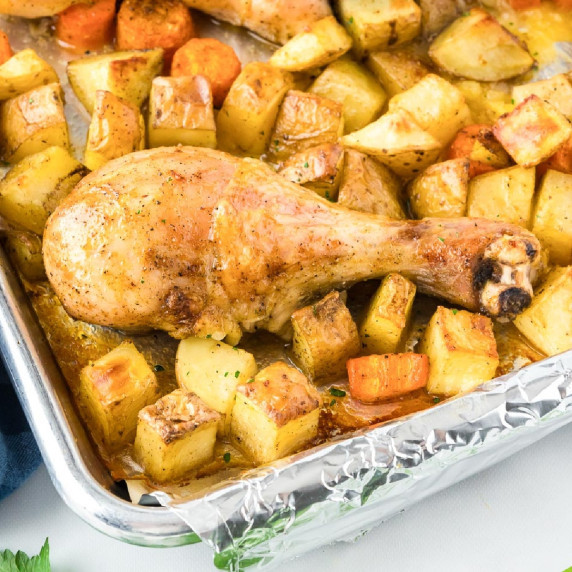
(212, 59)
(376, 377)
(524, 4)
(86, 26)
(560, 161)
(5, 48)
(566, 4)
(144, 24)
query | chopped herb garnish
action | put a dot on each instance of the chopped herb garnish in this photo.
(337, 392)
(251, 380)
(332, 403)
(226, 457)
(306, 165)
(142, 281)
(236, 373)
(138, 212)
(163, 220)
(436, 399)
(226, 373)
(441, 238)
(314, 310)
(351, 20)
(454, 311)
(158, 367)
(209, 336)
(235, 348)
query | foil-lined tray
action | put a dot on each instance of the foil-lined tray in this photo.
(333, 492)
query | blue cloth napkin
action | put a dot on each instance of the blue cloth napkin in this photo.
(19, 455)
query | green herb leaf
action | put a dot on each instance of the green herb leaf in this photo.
(251, 380)
(337, 392)
(436, 399)
(21, 562)
(236, 374)
(158, 367)
(332, 403)
(441, 238)
(454, 311)
(306, 165)
(226, 457)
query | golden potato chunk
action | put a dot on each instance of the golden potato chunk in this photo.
(320, 44)
(486, 103)
(505, 195)
(23, 72)
(556, 90)
(350, 84)
(533, 131)
(318, 168)
(552, 218)
(515, 351)
(436, 14)
(368, 186)
(175, 435)
(245, 122)
(305, 120)
(475, 46)
(112, 391)
(25, 251)
(396, 71)
(388, 315)
(116, 128)
(32, 122)
(181, 112)
(212, 370)
(462, 351)
(276, 414)
(379, 24)
(547, 322)
(441, 190)
(35, 186)
(397, 141)
(325, 337)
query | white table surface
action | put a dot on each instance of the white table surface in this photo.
(516, 516)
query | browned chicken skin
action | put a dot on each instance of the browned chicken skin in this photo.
(197, 242)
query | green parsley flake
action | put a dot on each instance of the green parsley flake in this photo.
(337, 392)
(236, 374)
(226, 457)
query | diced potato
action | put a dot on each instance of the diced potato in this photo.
(181, 111)
(436, 105)
(320, 44)
(486, 103)
(305, 120)
(23, 72)
(25, 251)
(547, 322)
(436, 14)
(318, 168)
(175, 435)
(379, 24)
(245, 122)
(276, 414)
(116, 128)
(325, 337)
(212, 370)
(32, 122)
(504, 195)
(112, 391)
(350, 84)
(462, 351)
(552, 218)
(557, 91)
(515, 351)
(441, 190)
(34, 187)
(533, 131)
(476, 46)
(397, 141)
(388, 315)
(368, 186)
(125, 74)
(396, 71)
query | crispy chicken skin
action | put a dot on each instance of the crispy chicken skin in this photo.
(195, 242)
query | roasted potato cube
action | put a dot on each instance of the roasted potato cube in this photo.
(350, 84)
(305, 120)
(32, 122)
(379, 24)
(441, 190)
(505, 195)
(397, 141)
(116, 128)
(181, 111)
(112, 391)
(212, 370)
(486, 103)
(175, 435)
(552, 219)
(547, 322)
(436, 14)
(318, 168)
(276, 414)
(25, 251)
(557, 91)
(515, 351)
(388, 315)
(436, 105)
(320, 44)
(462, 351)
(34, 187)
(476, 46)
(533, 131)
(245, 122)
(23, 72)
(325, 337)
(368, 186)
(396, 71)
(125, 74)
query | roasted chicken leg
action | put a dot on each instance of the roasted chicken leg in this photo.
(197, 242)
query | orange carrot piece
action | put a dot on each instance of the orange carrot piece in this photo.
(5, 48)
(560, 161)
(86, 26)
(566, 4)
(524, 4)
(144, 24)
(376, 377)
(212, 59)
